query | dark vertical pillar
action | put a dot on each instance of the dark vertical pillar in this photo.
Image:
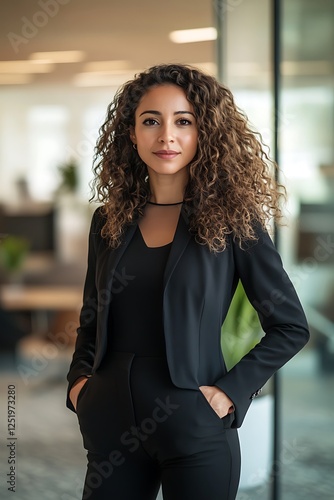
(276, 53)
(276, 60)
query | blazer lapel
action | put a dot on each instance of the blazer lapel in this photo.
(181, 240)
(112, 257)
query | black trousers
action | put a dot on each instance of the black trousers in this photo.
(142, 432)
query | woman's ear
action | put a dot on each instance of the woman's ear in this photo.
(133, 135)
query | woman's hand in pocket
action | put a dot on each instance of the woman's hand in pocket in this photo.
(217, 399)
(75, 390)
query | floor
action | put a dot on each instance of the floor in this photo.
(50, 460)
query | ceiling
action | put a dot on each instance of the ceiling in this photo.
(134, 32)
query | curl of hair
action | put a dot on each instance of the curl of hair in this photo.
(231, 183)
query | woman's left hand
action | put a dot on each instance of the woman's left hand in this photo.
(218, 400)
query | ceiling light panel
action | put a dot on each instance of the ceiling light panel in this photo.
(24, 67)
(59, 57)
(193, 35)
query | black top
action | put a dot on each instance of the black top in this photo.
(135, 318)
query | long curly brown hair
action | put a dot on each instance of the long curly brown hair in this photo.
(231, 184)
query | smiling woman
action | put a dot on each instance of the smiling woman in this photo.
(226, 150)
(186, 193)
(165, 134)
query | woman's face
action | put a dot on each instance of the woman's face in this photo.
(165, 129)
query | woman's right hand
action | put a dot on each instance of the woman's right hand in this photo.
(75, 390)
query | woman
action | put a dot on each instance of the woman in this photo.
(186, 194)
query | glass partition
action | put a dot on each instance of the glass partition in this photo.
(306, 241)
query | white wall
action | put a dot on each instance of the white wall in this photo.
(40, 128)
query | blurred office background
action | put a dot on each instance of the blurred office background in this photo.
(61, 62)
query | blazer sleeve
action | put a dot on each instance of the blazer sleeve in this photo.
(84, 352)
(270, 291)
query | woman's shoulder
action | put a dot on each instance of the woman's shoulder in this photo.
(98, 214)
(98, 220)
(262, 235)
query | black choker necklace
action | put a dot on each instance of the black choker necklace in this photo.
(164, 204)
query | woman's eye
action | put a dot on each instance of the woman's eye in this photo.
(150, 121)
(184, 121)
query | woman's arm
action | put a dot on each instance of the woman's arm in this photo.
(272, 294)
(84, 353)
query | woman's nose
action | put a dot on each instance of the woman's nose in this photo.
(166, 135)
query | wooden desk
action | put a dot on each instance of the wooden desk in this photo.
(40, 298)
(40, 301)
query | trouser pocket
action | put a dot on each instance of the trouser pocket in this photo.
(82, 391)
(226, 421)
(104, 406)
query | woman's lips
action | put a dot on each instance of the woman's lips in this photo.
(166, 154)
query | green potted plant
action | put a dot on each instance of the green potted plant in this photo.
(69, 177)
(241, 332)
(72, 213)
(13, 251)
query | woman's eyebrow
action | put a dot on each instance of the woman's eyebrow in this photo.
(154, 112)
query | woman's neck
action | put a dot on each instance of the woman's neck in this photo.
(167, 189)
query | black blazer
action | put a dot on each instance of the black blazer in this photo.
(198, 288)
